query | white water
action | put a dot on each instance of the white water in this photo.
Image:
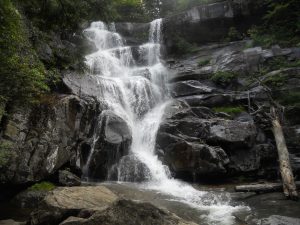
(138, 94)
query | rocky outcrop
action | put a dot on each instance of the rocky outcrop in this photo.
(196, 126)
(47, 137)
(44, 138)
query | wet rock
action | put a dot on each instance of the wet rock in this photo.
(190, 87)
(129, 212)
(129, 169)
(112, 141)
(66, 178)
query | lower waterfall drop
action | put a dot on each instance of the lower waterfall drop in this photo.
(138, 94)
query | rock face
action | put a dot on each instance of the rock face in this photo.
(198, 138)
(191, 25)
(44, 138)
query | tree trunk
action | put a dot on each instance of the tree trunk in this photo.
(289, 187)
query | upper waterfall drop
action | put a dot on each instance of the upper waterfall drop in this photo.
(137, 94)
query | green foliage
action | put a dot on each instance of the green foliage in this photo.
(274, 81)
(281, 24)
(43, 186)
(22, 75)
(182, 46)
(5, 153)
(231, 110)
(233, 34)
(203, 62)
(223, 77)
(69, 14)
(291, 98)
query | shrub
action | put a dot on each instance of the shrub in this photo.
(223, 77)
(203, 62)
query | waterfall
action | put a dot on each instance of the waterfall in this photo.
(138, 95)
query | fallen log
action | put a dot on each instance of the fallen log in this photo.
(289, 187)
(263, 188)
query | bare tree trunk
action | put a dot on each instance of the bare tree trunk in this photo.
(289, 187)
(262, 188)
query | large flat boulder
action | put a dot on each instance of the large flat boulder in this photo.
(129, 213)
(70, 201)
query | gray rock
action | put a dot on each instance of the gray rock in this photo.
(66, 178)
(11, 222)
(113, 139)
(69, 201)
(129, 212)
(45, 137)
(195, 160)
(190, 87)
(279, 220)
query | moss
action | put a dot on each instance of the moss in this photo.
(43, 186)
(22, 74)
(203, 62)
(223, 77)
(231, 110)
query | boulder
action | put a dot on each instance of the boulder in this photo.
(112, 139)
(129, 169)
(70, 201)
(129, 212)
(66, 178)
(195, 160)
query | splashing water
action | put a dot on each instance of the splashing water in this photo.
(138, 94)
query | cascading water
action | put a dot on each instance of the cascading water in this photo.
(138, 95)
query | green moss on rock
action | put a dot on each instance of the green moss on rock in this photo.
(43, 186)
(231, 110)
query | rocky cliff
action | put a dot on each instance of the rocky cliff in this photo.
(213, 128)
